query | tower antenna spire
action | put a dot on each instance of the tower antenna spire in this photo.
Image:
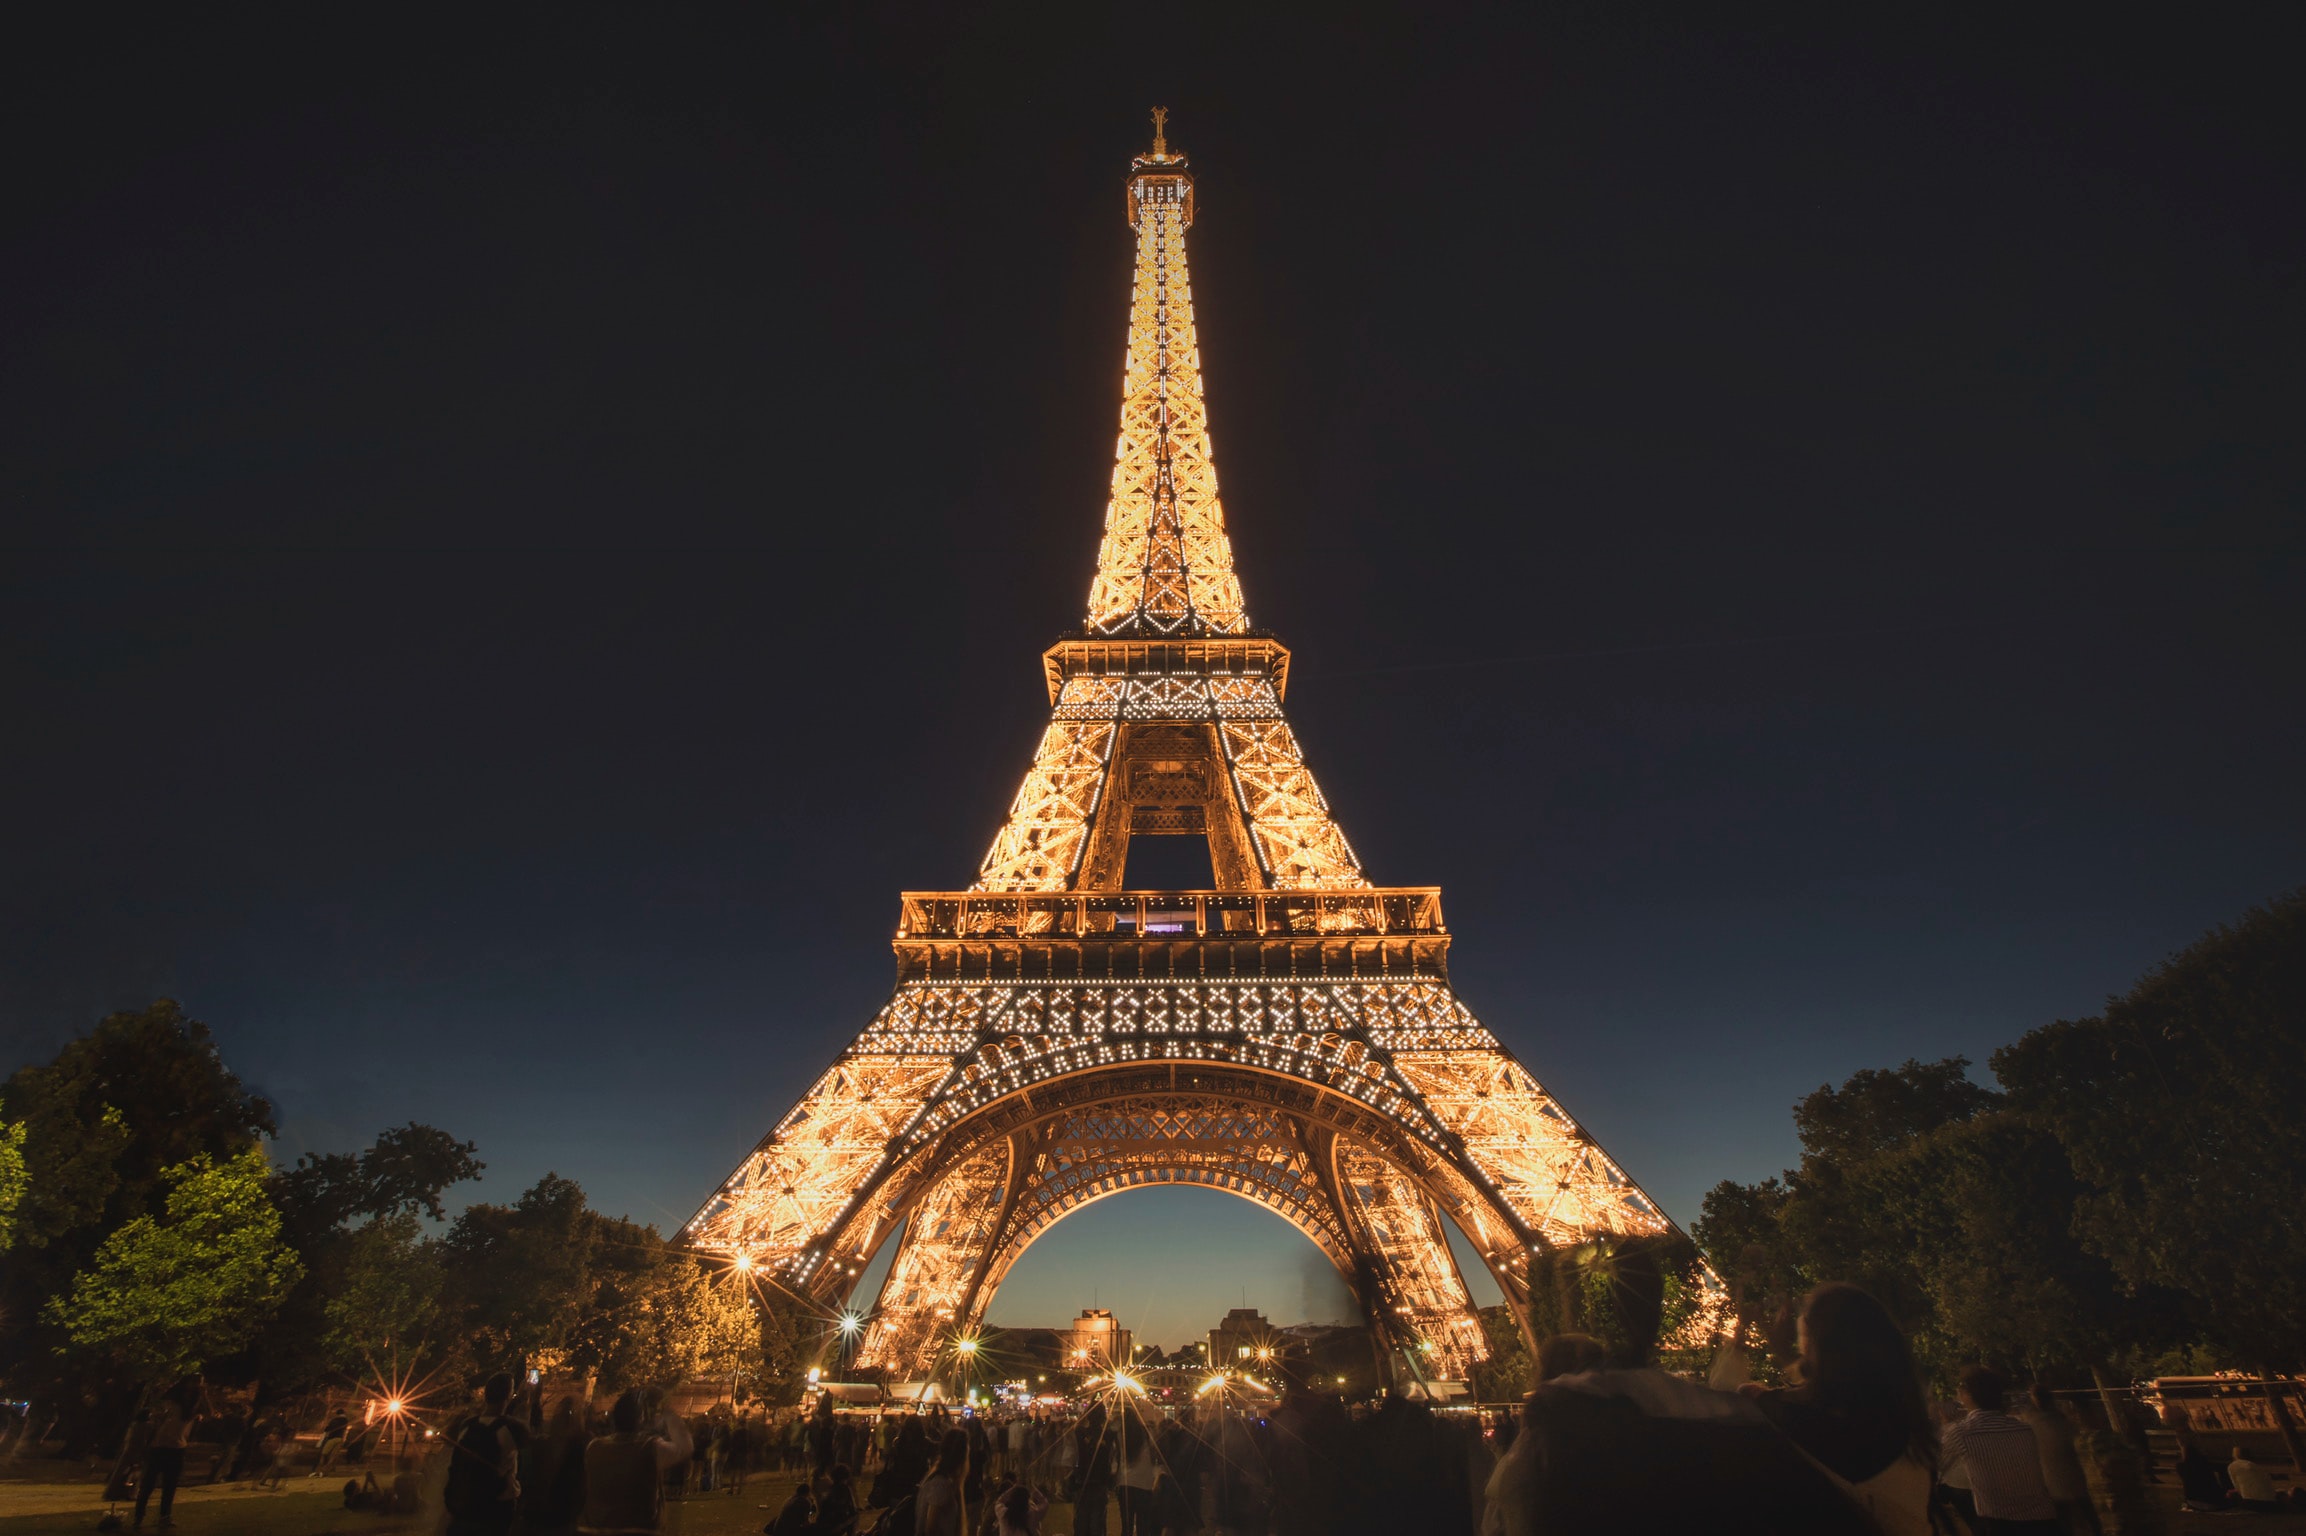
(1160, 133)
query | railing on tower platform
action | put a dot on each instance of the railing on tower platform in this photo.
(1382, 911)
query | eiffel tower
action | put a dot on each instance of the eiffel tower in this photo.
(1287, 1034)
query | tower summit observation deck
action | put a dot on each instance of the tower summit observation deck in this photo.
(1286, 1034)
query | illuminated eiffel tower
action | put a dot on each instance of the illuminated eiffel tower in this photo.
(1286, 1034)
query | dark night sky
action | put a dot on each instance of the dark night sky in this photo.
(523, 534)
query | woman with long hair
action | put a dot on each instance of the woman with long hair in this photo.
(937, 1504)
(1859, 1409)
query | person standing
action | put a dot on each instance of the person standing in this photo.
(624, 1471)
(740, 1451)
(2054, 1433)
(331, 1444)
(2003, 1459)
(1093, 1472)
(937, 1507)
(1063, 1453)
(164, 1453)
(483, 1490)
(821, 1432)
(1020, 1436)
(1139, 1475)
(552, 1476)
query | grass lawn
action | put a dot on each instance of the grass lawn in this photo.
(301, 1509)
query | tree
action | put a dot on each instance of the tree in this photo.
(1848, 1212)
(353, 1271)
(520, 1277)
(1508, 1374)
(140, 1094)
(2179, 1109)
(386, 1299)
(669, 1318)
(13, 1180)
(1986, 1205)
(404, 1172)
(166, 1295)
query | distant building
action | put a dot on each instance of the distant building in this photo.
(1245, 1341)
(1095, 1342)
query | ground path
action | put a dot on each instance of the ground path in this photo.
(306, 1507)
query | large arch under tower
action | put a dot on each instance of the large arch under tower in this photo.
(1287, 1035)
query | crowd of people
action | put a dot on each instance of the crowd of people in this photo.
(1608, 1441)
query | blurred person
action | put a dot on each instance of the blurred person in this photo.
(1512, 1482)
(483, 1490)
(164, 1451)
(937, 1507)
(268, 1462)
(821, 1431)
(624, 1471)
(331, 1444)
(2003, 1459)
(1859, 1409)
(1953, 1490)
(1019, 1510)
(1569, 1354)
(798, 1517)
(980, 1461)
(1020, 1439)
(1629, 1448)
(552, 1475)
(1092, 1472)
(128, 1466)
(740, 1454)
(906, 1464)
(837, 1501)
(231, 1430)
(2253, 1484)
(2054, 1434)
(1137, 1476)
(2201, 1485)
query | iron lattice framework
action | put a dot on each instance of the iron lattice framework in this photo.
(1288, 1036)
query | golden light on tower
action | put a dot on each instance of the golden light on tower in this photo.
(1288, 1036)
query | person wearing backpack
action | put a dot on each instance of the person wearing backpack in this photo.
(483, 1491)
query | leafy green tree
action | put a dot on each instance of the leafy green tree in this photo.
(668, 1318)
(329, 1204)
(2178, 1108)
(405, 1171)
(139, 1094)
(165, 1295)
(1508, 1374)
(13, 1180)
(1845, 1212)
(520, 1277)
(385, 1303)
(1987, 1205)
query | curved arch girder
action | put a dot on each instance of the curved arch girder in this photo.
(1106, 1148)
(1398, 1065)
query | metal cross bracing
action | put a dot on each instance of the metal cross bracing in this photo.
(1288, 1036)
